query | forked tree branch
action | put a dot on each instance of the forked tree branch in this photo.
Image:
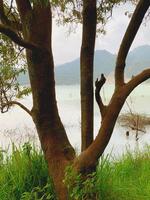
(17, 39)
(128, 38)
(90, 156)
(96, 149)
(99, 84)
(10, 103)
(15, 25)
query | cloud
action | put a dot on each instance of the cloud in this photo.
(67, 48)
(116, 28)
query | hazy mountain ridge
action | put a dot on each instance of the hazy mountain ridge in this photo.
(138, 60)
(104, 62)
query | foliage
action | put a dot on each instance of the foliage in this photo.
(126, 177)
(39, 193)
(115, 179)
(80, 188)
(11, 66)
(70, 12)
(24, 175)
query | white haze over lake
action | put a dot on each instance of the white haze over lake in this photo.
(17, 126)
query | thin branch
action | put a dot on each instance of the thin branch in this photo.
(10, 103)
(15, 25)
(11, 6)
(98, 85)
(128, 38)
(18, 54)
(134, 128)
(18, 40)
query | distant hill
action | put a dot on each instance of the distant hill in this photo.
(104, 62)
(69, 73)
(138, 60)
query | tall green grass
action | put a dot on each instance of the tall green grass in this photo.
(24, 176)
(125, 179)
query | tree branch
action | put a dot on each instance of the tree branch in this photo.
(4, 19)
(18, 40)
(128, 38)
(134, 128)
(137, 80)
(96, 149)
(11, 6)
(98, 85)
(10, 103)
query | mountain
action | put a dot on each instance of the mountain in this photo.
(104, 62)
(69, 73)
(138, 59)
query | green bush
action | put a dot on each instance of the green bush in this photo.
(78, 187)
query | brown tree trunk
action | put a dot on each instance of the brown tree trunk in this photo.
(58, 157)
(86, 71)
(56, 147)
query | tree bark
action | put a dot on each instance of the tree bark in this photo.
(58, 151)
(58, 155)
(86, 71)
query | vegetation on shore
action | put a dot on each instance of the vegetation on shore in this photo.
(134, 121)
(24, 176)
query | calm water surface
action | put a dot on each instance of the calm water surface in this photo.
(17, 126)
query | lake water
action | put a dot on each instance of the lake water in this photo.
(17, 126)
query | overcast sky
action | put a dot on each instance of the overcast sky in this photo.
(67, 48)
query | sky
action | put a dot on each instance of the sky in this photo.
(67, 47)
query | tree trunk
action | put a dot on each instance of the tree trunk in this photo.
(58, 157)
(56, 147)
(87, 59)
